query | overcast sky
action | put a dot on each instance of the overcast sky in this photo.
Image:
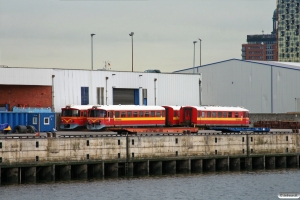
(57, 34)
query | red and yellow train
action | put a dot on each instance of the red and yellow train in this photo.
(202, 117)
(74, 116)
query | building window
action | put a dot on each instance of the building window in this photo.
(34, 120)
(100, 95)
(84, 95)
(46, 121)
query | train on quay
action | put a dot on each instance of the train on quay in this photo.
(74, 116)
(135, 118)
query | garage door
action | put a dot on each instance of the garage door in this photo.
(125, 96)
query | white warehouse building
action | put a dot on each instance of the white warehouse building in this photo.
(57, 88)
(260, 86)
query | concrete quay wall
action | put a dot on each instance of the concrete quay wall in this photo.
(49, 159)
(255, 117)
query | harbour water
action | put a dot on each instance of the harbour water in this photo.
(262, 184)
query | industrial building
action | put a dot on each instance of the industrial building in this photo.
(262, 46)
(56, 88)
(260, 86)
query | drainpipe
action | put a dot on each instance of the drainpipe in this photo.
(53, 108)
(155, 91)
(106, 90)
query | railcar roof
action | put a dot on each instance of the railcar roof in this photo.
(129, 107)
(219, 108)
(79, 107)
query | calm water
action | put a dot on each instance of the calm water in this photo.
(226, 185)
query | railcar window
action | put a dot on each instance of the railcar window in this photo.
(75, 113)
(157, 113)
(208, 114)
(129, 114)
(214, 114)
(236, 115)
(219, 114)
(110, 114)
(101, 113)
(117, 114)
(224, 114)
(175, 113)
(163, 113)
(147, 114)
(245, 114)
(199, 114)
(229, 114)
(84, 113)
(152, 113)
(203, 114)
(135, 114)
(123, 114)
(66, 113)
(141, 114)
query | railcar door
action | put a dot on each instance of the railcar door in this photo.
(168, 117)
(187, 116)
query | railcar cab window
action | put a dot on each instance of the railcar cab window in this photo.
(246, 114)
(70, 113)
(98, 113)
(199, 113)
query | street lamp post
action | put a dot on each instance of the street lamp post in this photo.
(200, 53)
(131, 34)
(263, 51)
(92, 48)
(194, 57)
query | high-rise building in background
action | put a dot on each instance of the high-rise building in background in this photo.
(288, 30)
(261, 46)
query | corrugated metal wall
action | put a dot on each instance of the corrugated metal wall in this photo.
(248, 84)
(162, 89)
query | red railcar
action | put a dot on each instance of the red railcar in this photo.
(74, 116)
(210, 116)
(172, 115)
(100, 117)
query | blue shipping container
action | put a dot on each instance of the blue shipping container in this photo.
(14, 119)
(43, 122)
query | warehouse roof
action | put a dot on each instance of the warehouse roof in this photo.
(288, 65)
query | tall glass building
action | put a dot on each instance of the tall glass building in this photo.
(288, 37)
